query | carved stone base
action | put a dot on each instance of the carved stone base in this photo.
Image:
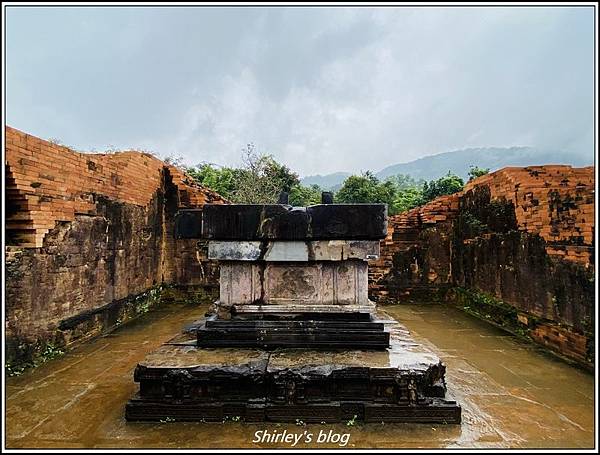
(431, 411)
(404, 383)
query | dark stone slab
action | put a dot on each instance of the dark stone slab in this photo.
(310, 324)
(282, 222)
(348, 221)
(188, 224)
(320, 333)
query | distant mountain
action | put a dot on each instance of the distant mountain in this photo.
(327, 182)
(459, 161)
(494, 158)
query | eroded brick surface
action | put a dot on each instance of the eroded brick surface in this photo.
(522, 235)
(87, 230)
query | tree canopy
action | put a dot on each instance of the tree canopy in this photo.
(448, 184)
(366, 188)
(476, 171)
(261, 179)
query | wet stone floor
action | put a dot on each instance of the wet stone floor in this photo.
(512, 395)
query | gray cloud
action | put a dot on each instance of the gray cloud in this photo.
(322, 89)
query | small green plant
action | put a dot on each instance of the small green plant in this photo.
(167, 420)
(50, 352)
(41, 353)
(14, 370)
(352, 421)
(143, 308)
(235, 418)
(300, 423)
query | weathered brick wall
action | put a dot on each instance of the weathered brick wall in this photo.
(415, 255)
(87, 230)
(522, 235)
(556, 202)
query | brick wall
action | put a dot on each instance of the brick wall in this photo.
(415, 255)
(556, 202)
(48, 183)
(522, 235)
(87, 230)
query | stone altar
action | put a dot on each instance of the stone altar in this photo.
(293, 335)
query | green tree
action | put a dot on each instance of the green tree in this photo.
(366, 188)
(448, 184)
(303, 196)
(258, 181)
(476, 171)
(280, 173)
(407, 199)
(223, 180)
(405, 181)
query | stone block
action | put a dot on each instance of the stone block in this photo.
(281, 222)
(282, 251)
(314, 283)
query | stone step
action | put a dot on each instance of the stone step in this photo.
(303, 308)
(286, 337)
(428, 411)
(294, 325)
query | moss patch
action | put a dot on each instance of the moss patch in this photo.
(523, 325)
(494, 310)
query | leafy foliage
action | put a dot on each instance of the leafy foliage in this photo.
(223, 180)
(407, 199)
(303, 196)
(400, 192)
(261, 179)
(405, 182)
(366, 188)
(448, 184)
(476, 171)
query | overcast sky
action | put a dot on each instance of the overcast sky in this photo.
(322, 89)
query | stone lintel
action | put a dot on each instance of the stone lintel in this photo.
(288, 251)
(283, 222)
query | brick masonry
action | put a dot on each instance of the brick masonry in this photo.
(87, 230)
(522, 235)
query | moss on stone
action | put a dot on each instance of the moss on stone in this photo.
(493, 310)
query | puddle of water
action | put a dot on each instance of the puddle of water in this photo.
(512, 395)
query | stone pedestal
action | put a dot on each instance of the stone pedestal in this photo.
(404, 383)
(314, 293)
(293, 335)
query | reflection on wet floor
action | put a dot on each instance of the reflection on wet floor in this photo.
(512, 394)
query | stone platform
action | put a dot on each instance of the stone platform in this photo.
(341, 332)
(404, 383)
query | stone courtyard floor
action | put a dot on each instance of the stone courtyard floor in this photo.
(512, 394)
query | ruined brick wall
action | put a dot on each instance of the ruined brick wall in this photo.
(87, 230)
(522, 235)
(415, 255)
(556, 202)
